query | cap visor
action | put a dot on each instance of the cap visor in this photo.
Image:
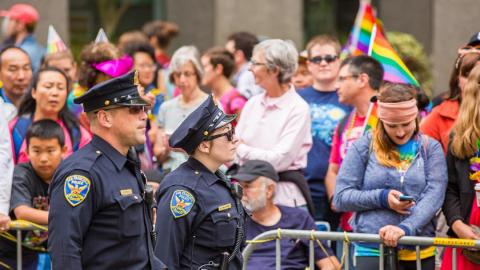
(226, 120)
(244, 177)
(134, 102)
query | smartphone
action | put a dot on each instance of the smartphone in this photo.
(404, 198)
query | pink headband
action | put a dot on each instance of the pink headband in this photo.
(115, 68)
(397, 113)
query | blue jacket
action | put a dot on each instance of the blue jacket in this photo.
(363, 185)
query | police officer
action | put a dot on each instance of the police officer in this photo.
(199, 216)
(98, 217)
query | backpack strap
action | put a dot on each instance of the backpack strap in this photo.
(76, 136)
(19, 131)
(342, 124)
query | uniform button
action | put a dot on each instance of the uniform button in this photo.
(196, 172)
(228, 215)
(135, 197)
(98, 152)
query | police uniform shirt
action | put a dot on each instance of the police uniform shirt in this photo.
(197, 219)
(97, 218)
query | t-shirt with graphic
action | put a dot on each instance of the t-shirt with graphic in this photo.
(325, 111)
(29, 190)
(294, 251)
(351, 131)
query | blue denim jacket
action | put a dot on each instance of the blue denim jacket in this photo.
(34, 50)
(363, 185)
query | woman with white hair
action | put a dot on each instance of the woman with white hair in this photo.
(186, 73)
(275, 125)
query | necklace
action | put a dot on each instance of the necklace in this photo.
(352, 122)
(475, 164)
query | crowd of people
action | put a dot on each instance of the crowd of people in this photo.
(138, 160)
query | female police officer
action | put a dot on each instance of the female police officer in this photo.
(200, 217)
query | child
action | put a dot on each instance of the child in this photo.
(45, 149)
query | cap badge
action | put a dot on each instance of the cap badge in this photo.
(107, 102)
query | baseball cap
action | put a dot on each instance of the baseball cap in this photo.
(474, 40)
(254, 168)
(21, 12)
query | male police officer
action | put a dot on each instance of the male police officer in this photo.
(98, 215)
(199, 216)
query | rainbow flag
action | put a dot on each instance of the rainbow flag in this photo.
(367, 37)
(372, 118)
(54, 42)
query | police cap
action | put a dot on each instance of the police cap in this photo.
(120, 91)
(199, 125)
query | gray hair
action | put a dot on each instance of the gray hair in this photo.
(281, 55)
(184, 55)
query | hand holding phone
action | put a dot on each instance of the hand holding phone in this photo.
(404, 198)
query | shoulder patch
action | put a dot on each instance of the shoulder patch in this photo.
(181, 203)
(76, 189)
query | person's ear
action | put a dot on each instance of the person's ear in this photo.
(363, 79)
(205, 147)
(34, 93)
(105, 119)
(219, 69)
(270, 190)
(64, 150)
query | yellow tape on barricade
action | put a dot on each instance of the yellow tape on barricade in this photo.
(454, 242)
(26, 225)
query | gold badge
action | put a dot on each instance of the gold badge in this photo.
(205, 133)
(126, 192)
(225, 207)
(107, 102)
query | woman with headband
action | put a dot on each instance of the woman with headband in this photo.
(392, 179)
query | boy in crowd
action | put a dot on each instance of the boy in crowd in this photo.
(29, 200)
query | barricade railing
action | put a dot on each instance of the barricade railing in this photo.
(19, 226)
(347, 239)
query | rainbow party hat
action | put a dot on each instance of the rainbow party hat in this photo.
(101, 36)
(54, 43)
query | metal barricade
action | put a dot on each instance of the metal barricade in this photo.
(347, 238)
(19, 226)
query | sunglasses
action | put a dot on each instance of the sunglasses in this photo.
(131, 109)
(137, 109)
(329, 58)
(229, 134)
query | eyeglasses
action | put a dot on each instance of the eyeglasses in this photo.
(329, 58)
(187, 74)
(229, 134)
(341, 79)
(255, 63)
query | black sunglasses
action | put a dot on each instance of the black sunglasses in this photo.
(229, 134)
(329, 58)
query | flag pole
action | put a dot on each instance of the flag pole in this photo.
(372, 39)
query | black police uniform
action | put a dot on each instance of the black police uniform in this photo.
(199, 216)
(98, 218)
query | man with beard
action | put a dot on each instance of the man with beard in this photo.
(259, 179)
(99, 214)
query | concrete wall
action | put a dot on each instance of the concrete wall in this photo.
(266, 18)
(455, 22)
(53, 12)
(442, 26)
(207, 23)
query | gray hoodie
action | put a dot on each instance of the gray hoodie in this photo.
(363, 185)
